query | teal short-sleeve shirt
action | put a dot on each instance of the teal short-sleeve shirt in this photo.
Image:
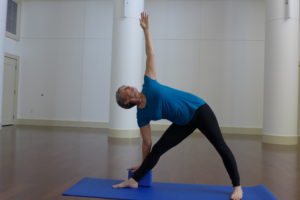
(163, 102)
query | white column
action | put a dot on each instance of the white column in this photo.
(281, 72)
(3, 10)
(127, 65)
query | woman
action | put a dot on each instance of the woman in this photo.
(185, 110)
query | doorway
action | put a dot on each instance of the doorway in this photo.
(299, 100)
(9, 104)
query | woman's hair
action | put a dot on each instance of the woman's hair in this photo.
(121, 100)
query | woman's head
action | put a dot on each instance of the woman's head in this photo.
(127, 97)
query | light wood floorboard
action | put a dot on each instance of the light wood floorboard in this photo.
(39, 163)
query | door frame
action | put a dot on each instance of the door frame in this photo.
(298, 129)
(17, 58)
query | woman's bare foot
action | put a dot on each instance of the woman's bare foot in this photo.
(129, 183)
(237, 193)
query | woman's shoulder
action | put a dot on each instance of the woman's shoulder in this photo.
(149, 80)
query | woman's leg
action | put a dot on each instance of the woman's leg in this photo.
(172, 136)
(207, 123)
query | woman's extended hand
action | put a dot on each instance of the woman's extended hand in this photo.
(144, 22)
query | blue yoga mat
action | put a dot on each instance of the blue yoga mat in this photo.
(101, 188)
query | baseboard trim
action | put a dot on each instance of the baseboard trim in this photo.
(116, 133)
(61, 123)
(124, 133)
(224, 130)
(280, 139)
(241, 131)
(159, 127)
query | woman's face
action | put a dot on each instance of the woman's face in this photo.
(130, 94)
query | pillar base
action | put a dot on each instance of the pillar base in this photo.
(282, 140)
(119, 133)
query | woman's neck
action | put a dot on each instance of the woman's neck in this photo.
(142, 102)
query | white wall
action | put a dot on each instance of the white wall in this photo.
(299, 87)
(214, 48)
(12, 46)
(66, 49)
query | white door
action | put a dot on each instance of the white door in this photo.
(9, 91)
(299, 102)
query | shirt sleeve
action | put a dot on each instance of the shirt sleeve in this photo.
(142, 123)
(148, 80)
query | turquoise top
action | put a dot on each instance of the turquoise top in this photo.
(164, 102)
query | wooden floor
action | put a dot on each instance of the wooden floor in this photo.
(39, 163)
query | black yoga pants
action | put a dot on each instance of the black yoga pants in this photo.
(205, 120)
